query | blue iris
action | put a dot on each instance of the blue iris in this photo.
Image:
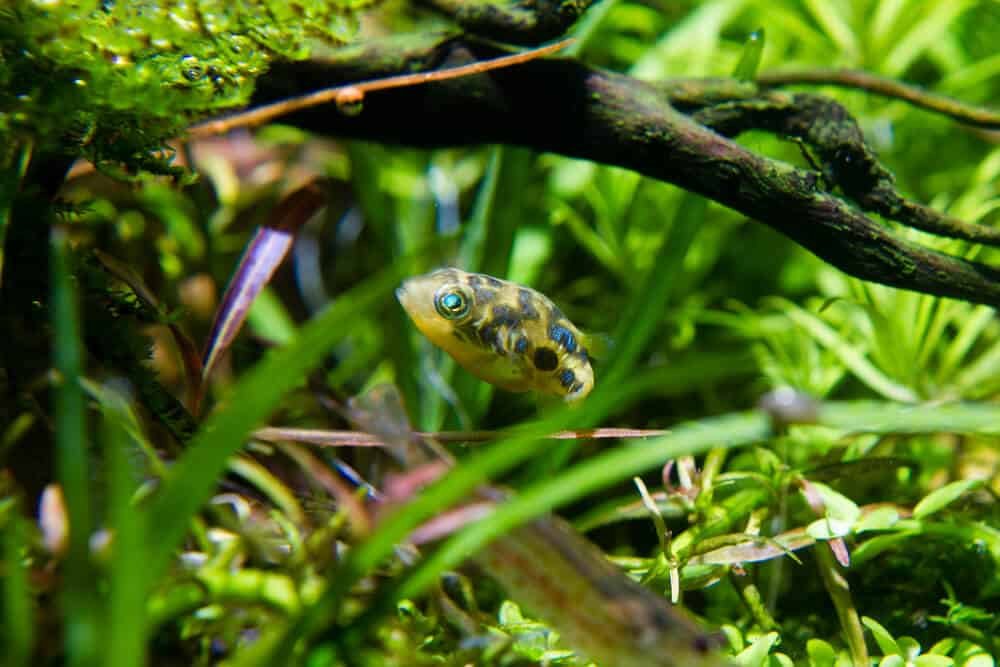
(451, 305)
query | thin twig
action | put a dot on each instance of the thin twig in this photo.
(325, 438)
(964, 113)
(352, 94)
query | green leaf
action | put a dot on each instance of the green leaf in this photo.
(821, 653)
(838, 506)
(943, 647)
(828, 529)
(882, 518)
(909, 647)
(510, 614)
(980, 660)
(884, 640)
(931, 660)
(946, 495)
(841, 514)
(756, 655)
(780, 660)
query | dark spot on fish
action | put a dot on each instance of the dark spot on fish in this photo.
(576, 388)
(504, 316)
(489, 334)
(521, 345)
(484, 294)
(473, 280)
(491, 281)
(555, 314)
(567, 378)
(563, 336)
(527, 304)
(545, 359)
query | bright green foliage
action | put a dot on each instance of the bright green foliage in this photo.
(113, 80)
(709, 310)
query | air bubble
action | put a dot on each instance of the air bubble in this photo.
(349, 101)
(191, 68)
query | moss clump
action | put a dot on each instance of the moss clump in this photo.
(112, 80)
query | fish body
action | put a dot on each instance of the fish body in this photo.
(506, 334)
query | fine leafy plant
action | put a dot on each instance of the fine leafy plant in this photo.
(187, 476)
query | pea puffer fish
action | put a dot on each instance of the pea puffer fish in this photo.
(506, 334)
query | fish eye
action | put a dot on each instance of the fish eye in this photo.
(451, 303)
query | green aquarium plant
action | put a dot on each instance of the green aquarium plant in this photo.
(224, 441)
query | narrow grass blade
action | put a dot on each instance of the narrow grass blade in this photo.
(473, 245)
(863, 369)
(830, 17)
(883, 417)
(18, 630)
(931, 28)
(268, 484)
(475, 470)
(588, 477)
(946, 495)
(80, 601)
(970, 329)
(195, 474)
(753, 50)
(613, 466)
(127, 628)
(644, 310)
(587, 26)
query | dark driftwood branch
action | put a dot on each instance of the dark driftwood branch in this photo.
(731, 107)
(563, 106)
(988, 119)
(527, 22)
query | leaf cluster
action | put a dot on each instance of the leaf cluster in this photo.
(260, 552)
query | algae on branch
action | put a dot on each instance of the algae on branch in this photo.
(112, 80)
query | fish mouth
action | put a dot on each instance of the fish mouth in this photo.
(400, 294)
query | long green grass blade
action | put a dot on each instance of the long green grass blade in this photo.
(194, 476)
(127, 627)
(81, 606)
(17, 632)
(601, 471)
(644, 311)
(849, 354)
(457, 484)
(593, 475)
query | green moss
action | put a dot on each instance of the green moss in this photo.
(113, 80)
